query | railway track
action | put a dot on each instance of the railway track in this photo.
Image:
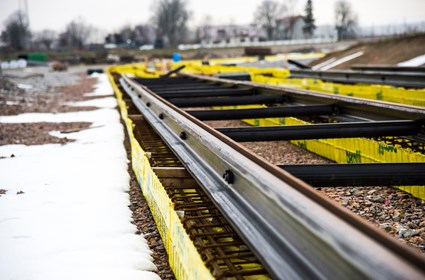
(375, 75)
(389, 68)
(271, 221)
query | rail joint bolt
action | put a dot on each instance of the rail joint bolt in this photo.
(183, 135)
(228, 176)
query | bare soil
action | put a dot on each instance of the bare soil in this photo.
(15, 101)
(37, 133)
(41, 102)
(386, 51)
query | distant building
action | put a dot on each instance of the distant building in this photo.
(325, 32)
(290, 28)
(230, 34)
(287, 29)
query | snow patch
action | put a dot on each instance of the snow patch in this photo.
(103, 87)
(416, 61)
(72, 220)
(107, 102)
(11, 103)
(341, 60)
(24, 86)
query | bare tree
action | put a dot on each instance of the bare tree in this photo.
(345, 20)
(309, 25)
(45, 38)
(139, 35)
(204, 29)
(144, 34)
(170, 20)
(76, 34)
(127, 34)
(16, 34)
(266, 15)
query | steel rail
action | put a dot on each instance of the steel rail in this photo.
(403, 79)
(226, 101)
(372, 174)
(296, 233)
(192, 86)
(273, 112)
(189, 89)
(241, 76)
(349, 107)
(165, 81)
(388, 68)
(184, 86)
(205, 93)
(323, 131)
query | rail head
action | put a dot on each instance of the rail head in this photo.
(295, 231)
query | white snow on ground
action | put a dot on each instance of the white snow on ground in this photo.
(341, 61)
(416, 61)
(106, 102)
(72, 221)
(103, 88)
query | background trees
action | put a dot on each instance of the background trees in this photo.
(267, 14)
(16, 34)
(170, 20)
(144, 34)
(272, 20)
(203, 32)
(345, 20)
(309, 26)
(76, 34)
(45, 38)
(141, 34)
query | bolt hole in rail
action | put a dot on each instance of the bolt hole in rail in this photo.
(294, 231)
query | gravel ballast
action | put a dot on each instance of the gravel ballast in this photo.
(396, 212)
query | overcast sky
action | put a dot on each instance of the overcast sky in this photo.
(110, 15)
